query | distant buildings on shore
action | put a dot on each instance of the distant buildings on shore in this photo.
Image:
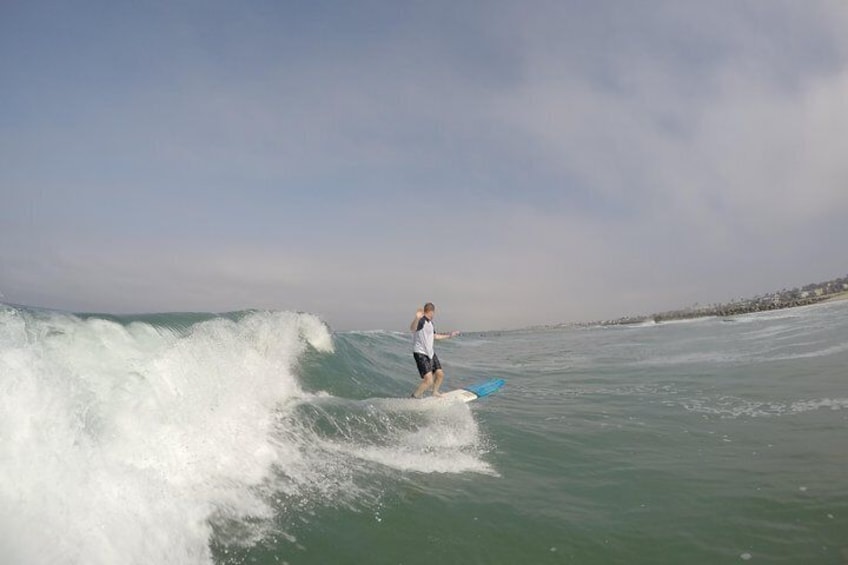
(809, 294)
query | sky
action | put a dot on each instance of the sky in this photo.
(514, 162)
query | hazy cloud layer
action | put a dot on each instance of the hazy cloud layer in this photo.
(516, 163)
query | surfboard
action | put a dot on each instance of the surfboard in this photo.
(475, 391)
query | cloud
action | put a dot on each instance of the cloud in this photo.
(742, 150)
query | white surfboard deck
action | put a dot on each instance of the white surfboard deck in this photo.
(459, 394)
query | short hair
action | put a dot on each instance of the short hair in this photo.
(429, 307)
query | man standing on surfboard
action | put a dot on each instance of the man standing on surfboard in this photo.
(423, 336)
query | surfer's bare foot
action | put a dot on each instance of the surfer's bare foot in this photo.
(437, 394)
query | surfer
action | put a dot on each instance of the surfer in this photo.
(423, 336)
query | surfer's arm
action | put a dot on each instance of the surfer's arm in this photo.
(413, 327)
(446, 336)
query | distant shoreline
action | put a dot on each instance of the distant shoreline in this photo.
(829, 291)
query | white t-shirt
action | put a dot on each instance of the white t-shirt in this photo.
(422, 339)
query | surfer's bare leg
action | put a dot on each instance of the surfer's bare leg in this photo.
(440, 376)
(426, 383)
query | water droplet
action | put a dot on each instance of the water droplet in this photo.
(745, 556)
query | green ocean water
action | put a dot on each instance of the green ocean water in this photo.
(263, 438)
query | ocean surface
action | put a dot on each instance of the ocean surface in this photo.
(263, 437)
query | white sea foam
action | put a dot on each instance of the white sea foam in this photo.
(695, 357)
(734, 407)
(120, 443)
(767, 316)
(448, 441)
(771, 331)
(824, 352)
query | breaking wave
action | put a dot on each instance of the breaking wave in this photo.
(143, 439)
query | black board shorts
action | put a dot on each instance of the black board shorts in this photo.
(425, 364)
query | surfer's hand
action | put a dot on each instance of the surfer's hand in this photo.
(454, 333)
(419, 313)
